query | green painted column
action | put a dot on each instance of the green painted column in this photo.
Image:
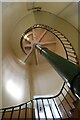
(67, 70)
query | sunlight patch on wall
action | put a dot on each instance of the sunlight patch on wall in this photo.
(14, 90)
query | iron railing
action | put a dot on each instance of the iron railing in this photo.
(26, 110)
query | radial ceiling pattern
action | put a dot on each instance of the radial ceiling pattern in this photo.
(64, 10)
(37, 36)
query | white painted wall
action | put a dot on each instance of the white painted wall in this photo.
(14, 72)
(14, 24)
(45, 81)
(15, 84)
(15, 80)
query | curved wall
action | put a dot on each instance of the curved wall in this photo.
(15, 22)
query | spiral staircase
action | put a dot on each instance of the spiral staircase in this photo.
(63, 105)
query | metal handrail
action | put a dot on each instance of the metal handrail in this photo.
(35, 99)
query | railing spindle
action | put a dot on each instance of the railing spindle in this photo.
(19, 112)
(25, 111)
(44, 109)
(3, 114)
(51, 109)
(38, 109)
(66, 100)
(32, 110)
(11, 113)
(63, 107)
(69, 94)
(57, 109)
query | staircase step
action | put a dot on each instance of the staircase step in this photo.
(76, 103)
(75, 113)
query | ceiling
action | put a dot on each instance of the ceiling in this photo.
(13, 12)
(43, 38)
(65, 10)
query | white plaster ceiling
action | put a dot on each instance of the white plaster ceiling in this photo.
(65, 10)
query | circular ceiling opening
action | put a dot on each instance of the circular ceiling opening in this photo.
(45, 38)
